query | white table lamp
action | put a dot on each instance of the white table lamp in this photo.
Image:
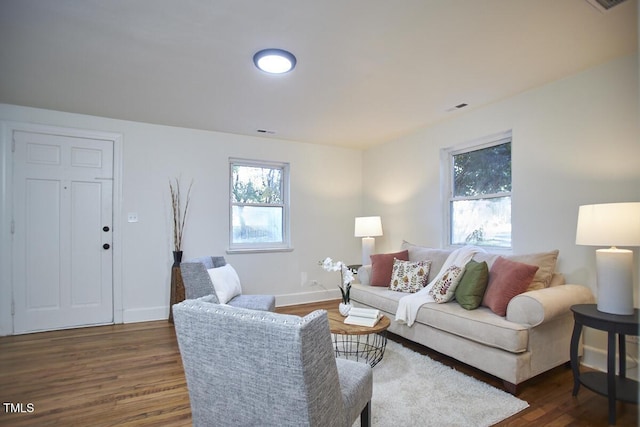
(368, 227)
(612, 224)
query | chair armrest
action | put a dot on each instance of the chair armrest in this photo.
(364, 274)
(539, 306)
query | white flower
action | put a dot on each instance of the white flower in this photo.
(347, 276)
(345, 273)
(329, 265)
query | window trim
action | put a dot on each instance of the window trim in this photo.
(285, 245)
(446, 183)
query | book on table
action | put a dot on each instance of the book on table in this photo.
(363, 316)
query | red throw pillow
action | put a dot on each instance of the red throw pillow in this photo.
(382, 265)
(506, 280)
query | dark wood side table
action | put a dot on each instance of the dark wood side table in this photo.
(615, 387)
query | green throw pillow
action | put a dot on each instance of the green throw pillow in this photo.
(472, 285)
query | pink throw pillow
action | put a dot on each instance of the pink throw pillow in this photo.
(506, 280)
(382, 265)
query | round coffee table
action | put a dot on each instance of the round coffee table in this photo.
(360, 343)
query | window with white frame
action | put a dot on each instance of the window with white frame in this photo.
(478, 210)
(259, 205)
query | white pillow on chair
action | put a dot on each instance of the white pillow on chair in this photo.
(226, 283)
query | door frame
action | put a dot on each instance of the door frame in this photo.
(6, 212)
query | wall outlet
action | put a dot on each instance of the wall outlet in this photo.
(304, 280)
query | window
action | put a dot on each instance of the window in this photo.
(259, 205)
(479, 193)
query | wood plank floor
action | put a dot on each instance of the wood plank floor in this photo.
(131, 375)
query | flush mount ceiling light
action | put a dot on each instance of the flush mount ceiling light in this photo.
(274, 61)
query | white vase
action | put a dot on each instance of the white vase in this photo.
(344, 309)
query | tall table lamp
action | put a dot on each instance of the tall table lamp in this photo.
(612, 224)
(368, 227)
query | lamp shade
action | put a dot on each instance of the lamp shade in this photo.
(609, 224)
(368, 226)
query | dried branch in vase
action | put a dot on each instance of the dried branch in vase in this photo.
(179, 213)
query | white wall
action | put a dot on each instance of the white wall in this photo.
(326, 194)
(575, 141)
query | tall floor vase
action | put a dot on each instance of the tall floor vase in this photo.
(177, 286)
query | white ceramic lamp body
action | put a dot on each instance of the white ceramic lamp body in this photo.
(615, 281)
(368, 248)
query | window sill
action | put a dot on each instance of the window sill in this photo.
(257, 250)
(499, 250)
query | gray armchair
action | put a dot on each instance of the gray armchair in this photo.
(249, 368)
(197, 284)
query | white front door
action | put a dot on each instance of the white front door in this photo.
(62, 256)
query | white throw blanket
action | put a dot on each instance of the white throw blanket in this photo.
(409, 305)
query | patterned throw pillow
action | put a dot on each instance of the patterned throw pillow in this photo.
(409, 276)
(445, 287)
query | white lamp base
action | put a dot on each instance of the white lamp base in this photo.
(368, 246)
(615, 282)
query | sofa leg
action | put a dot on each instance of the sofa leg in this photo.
(365, 416)
(510, 388)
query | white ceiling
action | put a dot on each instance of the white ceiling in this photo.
(368, 71)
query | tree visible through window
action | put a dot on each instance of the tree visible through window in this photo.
(259, 206)
(480, 195)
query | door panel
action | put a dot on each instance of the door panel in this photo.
(86, 208)
(42, 206)
(62, 275)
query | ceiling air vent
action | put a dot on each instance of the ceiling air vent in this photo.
(605, 5)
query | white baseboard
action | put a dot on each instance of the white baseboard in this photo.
(145, 314)
(596, 358)
(307, 297)
(162, 313)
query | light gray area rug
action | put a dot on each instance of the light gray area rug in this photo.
(410, 389)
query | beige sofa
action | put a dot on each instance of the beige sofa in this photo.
(533, 337)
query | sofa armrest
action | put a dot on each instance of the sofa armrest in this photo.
(535, 307)
(364, 274)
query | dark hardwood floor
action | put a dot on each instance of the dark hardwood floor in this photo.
(131, 375)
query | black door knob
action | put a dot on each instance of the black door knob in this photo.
(105, 228)
(106, 246)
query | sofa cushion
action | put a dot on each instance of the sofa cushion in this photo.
(407, 276)
(378, 297)
(557, 280)
(210, 261)
(546, 261)
(197, 282)
(506, 280)
(436, 256)
(544, 278)
(254, 302)
(480, 325)
(381, 266)
(472, 285)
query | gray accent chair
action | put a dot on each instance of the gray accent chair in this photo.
(250, 368)
(197, 284)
